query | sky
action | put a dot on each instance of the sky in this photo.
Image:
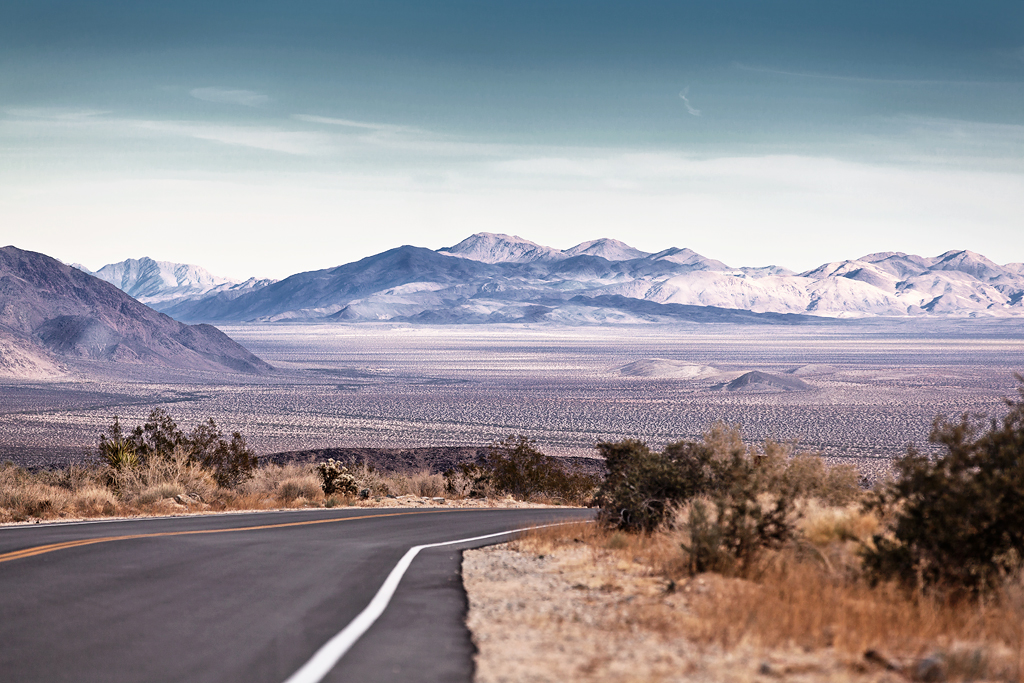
(264, 138)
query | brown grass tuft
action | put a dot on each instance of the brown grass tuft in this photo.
(810, 597)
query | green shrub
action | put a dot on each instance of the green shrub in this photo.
(117, 450)
(518, 469)
(641, 485)
(752, 508)
(958, 520)
(231, 462)
(754, 491)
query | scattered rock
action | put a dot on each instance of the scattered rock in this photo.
(931, 669)
(876, 657)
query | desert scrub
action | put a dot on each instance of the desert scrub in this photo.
(514, 467)
(336, 479)
(26, 495)
(230, 462)
(957, 520)
(752, 489)
(800, 616)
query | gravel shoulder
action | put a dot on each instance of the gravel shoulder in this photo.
(573, 613)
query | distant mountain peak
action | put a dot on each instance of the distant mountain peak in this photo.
(493, 277)
(608, 249)
(688, 257)
(152, 282)
(490, 247)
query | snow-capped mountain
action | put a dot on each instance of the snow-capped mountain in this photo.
(488, 247)
(162, 284)
(501, 278)
(608, 249)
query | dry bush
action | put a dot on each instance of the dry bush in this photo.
(823, 525)
(159, 478)
(285, 483)
(74, 477)
(46, 495)
(421, 483)
(798, 602)
(306, 488)
(469, 480)
(94, 501)
(803, 599)
(374, 482)
(156, 493)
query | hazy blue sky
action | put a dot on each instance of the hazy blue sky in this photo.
(265, 138)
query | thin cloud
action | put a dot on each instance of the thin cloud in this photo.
(349, 123)
(246, 98)
(71, 115)
(686, 101)
(269, 139)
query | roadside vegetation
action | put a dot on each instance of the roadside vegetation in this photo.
(737, 562)
(159, 468)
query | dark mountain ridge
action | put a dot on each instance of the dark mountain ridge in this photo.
(69, 314)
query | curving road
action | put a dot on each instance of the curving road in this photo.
(241, 597)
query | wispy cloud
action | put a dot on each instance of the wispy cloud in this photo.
(246, 98)
(349, 123)
(97, 126)
(256, 137)
(69, 115)
(686, 101)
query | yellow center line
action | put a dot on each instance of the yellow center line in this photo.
(52, 547)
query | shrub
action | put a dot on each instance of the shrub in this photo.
(752, 508)
(231, 462)
(958, 520)
(421, 483)
(518, 469)
(336, 479)
(468, 480)
(375, 483)
(159, 478)
(754, 492)
(298, 487)
(117, 450)
(641, 485)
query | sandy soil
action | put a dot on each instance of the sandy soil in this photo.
(573, 615)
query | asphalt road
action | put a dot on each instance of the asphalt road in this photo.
(242, 597)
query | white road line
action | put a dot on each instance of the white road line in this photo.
(324, 659)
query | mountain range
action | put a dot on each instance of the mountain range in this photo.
(53, 316)
(500, 278)
(153, 282)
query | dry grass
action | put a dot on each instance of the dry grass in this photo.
(806, 601)
(418, 484)
(176, 484)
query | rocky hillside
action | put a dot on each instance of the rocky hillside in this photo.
(52, 314)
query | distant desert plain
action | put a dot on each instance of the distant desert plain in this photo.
(854, 390)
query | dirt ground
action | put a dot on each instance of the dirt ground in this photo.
(572, 614)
